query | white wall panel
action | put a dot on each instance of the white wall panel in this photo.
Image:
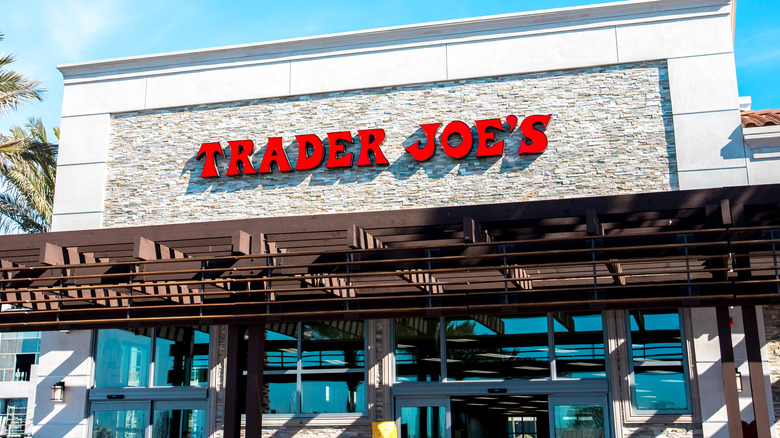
(104, 97)
(672, 39)
(710, 140)
(76, 221)
(553, 51)
(705, 179)
(80, 188)
(220, 85)
(703, 83)
(367, 70)
(83, 139)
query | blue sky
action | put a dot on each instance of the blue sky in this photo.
(45, 33)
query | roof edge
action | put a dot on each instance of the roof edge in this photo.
(393, 36)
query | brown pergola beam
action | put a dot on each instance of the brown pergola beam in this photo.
(358, 238)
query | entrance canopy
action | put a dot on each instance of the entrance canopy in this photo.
(671, 249)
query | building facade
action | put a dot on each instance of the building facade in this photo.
(399, 214)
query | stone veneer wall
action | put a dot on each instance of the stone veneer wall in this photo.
(772, 330)
(610, 133)
(662, 430)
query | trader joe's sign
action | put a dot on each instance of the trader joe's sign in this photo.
(457, 141)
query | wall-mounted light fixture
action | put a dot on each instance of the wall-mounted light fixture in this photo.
(58, 391)
(739, 380)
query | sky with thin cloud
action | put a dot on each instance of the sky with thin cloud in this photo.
(45, 33)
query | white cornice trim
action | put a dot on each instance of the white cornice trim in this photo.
(764, 141)
(426, 34)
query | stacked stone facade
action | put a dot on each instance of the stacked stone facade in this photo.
(772, 330)
(611, 133)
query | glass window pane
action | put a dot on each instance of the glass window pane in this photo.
(579, 345)
(31, 345)
(490, 347)
(659, 376)
(333, 344)
(184, 423)
(332, 393)
(417, 349)
(281, 346)
(122, 359)
(181, 357)
(119, 424)
(282, 393)
(423, 422)
(579, 420)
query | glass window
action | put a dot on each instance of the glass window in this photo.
(579, 420)
(417, 349)
(660, 381)
(421, 422)
(181, 357)
(119, 423)
(282, 393)
(315, 368)
(328, 345)
(579, 345)
(331, 393)
(490, 347)
(179, 423)
(18, 352)
(122, 359)
(281, 346)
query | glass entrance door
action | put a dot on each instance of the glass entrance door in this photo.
(423, 417)
(147, 419)
(579, 416)
(120, 420)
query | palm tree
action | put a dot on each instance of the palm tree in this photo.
(27, 160)
(28, 164)
(15, 89)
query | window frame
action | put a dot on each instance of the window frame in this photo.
(553, 372)
(684, 365)
(301, 371)
(623, 382)
(150, 366)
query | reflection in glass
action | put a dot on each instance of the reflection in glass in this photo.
(333, 344)
(657, 359)
(332, 393)
(490, 347)
(181, 357)
(579, 345)
(282, 393)
(184, 423)
(423, 422)
(122, 359)
(579, 420)
(417, 349)
(119, 424)
(281, 344)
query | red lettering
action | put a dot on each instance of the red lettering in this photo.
(239, 151)
(425, 153)
(314, 160)
(461, 150)
(336, 147)
(534, 138)
(211, 150)
(366, 144)
(483, 136)
(274, 153)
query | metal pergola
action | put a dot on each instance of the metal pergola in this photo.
(713, 248)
